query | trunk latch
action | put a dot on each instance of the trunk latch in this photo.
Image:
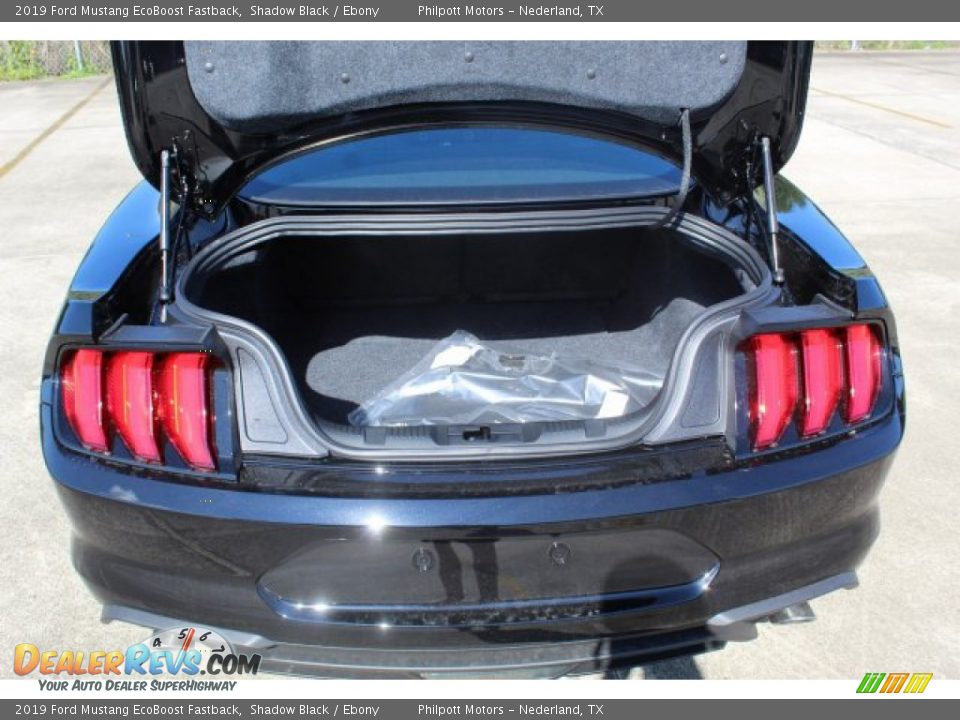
(475, 434)
(510, 433)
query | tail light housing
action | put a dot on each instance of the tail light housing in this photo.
(805, 378)
(143, 400)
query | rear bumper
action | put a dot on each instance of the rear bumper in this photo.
(569, 582)
(532, 659)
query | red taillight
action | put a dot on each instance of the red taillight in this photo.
(833, 364)
(140, 401)
(822, 379)
(774, 389)
(863, 372)
(81, 378)
(130, 402)
(185, 415)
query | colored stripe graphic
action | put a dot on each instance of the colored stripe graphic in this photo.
(870, 682)
(894, 682)
(918, 682)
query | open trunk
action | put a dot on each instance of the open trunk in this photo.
(352, 313)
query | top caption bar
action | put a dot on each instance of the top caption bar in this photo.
(403, 11)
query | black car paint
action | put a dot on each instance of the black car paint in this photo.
(775, 527)
(192, 548)
(209, 549)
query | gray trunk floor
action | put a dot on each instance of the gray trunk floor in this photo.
(345, 356)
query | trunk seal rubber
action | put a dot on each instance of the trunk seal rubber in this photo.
(705, 234)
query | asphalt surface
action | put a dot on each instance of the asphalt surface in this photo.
(880, 153)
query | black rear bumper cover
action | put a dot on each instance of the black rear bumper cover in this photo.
(628, 576)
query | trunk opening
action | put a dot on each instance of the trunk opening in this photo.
(353, 312)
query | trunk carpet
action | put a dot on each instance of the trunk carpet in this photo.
(345, 356)
(353, 314)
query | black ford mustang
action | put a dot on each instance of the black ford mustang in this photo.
(414, 358)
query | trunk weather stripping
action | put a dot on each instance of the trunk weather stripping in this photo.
(681, 195)
(302, 436)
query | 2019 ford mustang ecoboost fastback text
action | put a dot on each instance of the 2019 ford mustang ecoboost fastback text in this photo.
(418, 358)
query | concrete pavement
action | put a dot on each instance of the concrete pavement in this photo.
(880, 153)
(51, 205)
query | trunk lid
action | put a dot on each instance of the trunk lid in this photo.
(228, 109)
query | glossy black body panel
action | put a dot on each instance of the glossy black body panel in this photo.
(160, 111)
(402, 568)
(666, 557)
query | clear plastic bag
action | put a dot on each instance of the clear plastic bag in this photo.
(465, 382)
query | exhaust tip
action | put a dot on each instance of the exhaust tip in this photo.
(798, 613)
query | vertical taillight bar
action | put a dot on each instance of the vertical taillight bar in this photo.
(81, 380)
(185, 410)
(131, 401)
(774, 387)
(822, 378)
(862, 353)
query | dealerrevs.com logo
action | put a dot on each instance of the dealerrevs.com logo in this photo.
(185, 652)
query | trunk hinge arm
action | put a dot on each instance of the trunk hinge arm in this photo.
(166, 293)
(677, 205)
(170, 161)
(773, 224)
